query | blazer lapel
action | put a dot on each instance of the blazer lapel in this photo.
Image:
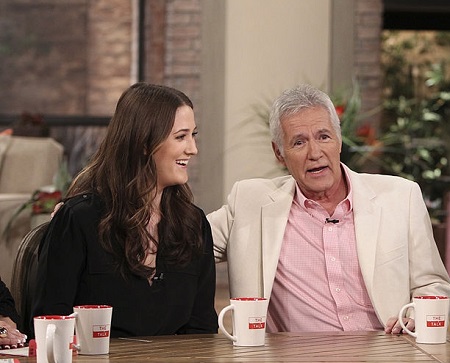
(274, 217)
(367, 217)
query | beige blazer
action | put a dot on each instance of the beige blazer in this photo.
(396, 250)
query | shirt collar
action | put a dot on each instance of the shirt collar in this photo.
(347, 202)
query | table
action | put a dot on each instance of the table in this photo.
(281, 347)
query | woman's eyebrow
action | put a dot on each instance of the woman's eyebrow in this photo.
(184, 130)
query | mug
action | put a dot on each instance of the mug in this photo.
(54, 338)
(93, 325)
(431, 319)
(249, 320)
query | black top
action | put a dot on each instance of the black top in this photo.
(7, 306)
(74, 269)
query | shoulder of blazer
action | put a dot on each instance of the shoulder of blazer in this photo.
(258, 192)
(380, 181)
(367, 187)
(261, 184)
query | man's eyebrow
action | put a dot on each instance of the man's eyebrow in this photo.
(297, 136)
(303, 135)
(324, 130)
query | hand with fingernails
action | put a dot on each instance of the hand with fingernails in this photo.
(10, 337)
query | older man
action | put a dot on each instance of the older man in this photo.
(333, 249)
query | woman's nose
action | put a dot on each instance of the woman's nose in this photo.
(192, 147)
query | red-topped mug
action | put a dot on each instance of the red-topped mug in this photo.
(93, 328)
(54, 338)
(431, 319)
(249, 320)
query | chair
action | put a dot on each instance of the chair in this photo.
(26, 164)
(23, 281)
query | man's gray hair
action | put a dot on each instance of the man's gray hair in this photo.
(294, 100)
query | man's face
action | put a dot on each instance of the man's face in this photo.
(311, 151)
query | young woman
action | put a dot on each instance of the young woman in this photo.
(128, 235)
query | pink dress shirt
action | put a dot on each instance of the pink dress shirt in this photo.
(318, 284)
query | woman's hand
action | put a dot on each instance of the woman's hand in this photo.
(394, 327)
(10, 337)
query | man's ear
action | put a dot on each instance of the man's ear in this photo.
(277, 152)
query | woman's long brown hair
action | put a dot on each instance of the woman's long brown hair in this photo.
(123, 173)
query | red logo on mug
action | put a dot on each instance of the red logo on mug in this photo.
(435, 321)
(100, 331)
(256, 323)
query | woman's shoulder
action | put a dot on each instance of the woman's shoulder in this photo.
(199, 210)
(206, 227)
(82, 200)
(86, 204)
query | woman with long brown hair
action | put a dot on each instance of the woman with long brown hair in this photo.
(129, 235)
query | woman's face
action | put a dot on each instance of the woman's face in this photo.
(173, 155)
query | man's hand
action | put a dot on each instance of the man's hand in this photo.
(393, 326)
(57, 206)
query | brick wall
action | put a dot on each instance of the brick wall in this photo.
(69, 57)
(107, 62)
(109, 55)
(64, 57)
(74, 57)
(182, 64)
(368, 28)
(42, 67)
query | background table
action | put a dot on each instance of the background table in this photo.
(283, 347)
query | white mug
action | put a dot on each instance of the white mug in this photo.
(249, 320)
(54, 338)
(431, 319)
(93, 326)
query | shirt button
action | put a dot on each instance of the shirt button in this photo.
(345, 317)
(333, 259)
(330, 229)
(338, 289)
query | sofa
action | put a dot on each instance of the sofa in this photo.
(26, 165)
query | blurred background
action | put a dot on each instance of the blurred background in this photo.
(64, 64)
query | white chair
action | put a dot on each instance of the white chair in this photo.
(26, 164)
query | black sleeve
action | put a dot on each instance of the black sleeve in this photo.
(7, 305)
(61, 262)
(204, 317)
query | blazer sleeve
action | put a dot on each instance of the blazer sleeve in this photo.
(204, 317)
(221, 222)
(427, 271)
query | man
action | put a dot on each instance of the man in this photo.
(331, 248)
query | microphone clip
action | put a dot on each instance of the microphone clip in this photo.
(158, 277)
(331, 220)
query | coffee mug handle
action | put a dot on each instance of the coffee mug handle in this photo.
(75, 344)
(400, 319)
(50, 342)
(221, 327)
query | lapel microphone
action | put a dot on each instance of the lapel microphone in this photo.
(158, 277)
(330, 220)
